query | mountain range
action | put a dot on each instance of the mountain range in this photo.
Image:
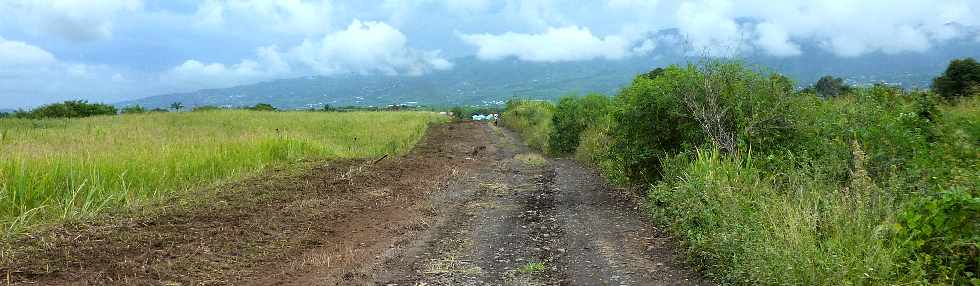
(477, 82)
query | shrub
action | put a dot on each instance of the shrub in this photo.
(649, 121)
(572, 116)
(263, 107)
(940, 233)
(68, 109)
(532, 119)
(829, 86)
(133, 109)
(961, 79)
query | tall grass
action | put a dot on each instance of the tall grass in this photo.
(62, 169)
(766, 185)
(532, 119)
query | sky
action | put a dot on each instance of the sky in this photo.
(114, 50)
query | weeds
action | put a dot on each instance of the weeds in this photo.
(532, 268)
(531, 159)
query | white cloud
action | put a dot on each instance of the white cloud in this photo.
(196, 74)
(710, 27)
(20, 54)
(366, 47)
(73, 20)
(363, 47)
(281, 16)
(570, 43)
(855, 28)
(775, 40)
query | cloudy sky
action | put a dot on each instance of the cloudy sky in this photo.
(112, 50)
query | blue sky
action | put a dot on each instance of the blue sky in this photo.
(113, 50)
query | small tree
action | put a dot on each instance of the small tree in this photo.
(263, 107)
(69, 109)
(829, 86)
(176, 106)
(961, 78)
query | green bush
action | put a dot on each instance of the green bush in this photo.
(961, 79)
(649, 121)
(572, 116)
(532, 119)
(940, 234)
(725, 104)
(68, 109)
(263, 107)
(765, 185)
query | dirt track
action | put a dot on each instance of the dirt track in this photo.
(457, 210)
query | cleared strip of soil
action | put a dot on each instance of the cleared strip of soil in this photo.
(460, 209)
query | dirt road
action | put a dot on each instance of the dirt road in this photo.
(460, 209)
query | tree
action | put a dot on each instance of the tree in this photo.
(176, 106)
(263, 107)
(829, 86)
(133, 109)
(961, 78)
(654, 73)
(69, 109)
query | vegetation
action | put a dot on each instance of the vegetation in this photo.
(572, 116)
(961, 78)
(135, 109)
(829, 86)
(68, 109)
(205, 108)
(532, 118)
(54, 170)
(766, 185)
(532, 267)
(264, 107)
(531, 159)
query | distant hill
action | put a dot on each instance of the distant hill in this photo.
(477, 82)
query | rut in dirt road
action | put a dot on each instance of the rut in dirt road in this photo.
(555, 223)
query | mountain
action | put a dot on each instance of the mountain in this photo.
(476, 82)
(470, 82)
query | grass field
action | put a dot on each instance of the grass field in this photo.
(62, 169)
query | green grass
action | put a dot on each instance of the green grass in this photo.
(532, 119)
(531, 159)
(877, 186)
(532, 267)
(62, 169)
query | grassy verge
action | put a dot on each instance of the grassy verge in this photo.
(768, 185)
(64, 169)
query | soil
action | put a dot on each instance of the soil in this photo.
(460, 209)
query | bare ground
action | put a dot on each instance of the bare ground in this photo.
(460, 209)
